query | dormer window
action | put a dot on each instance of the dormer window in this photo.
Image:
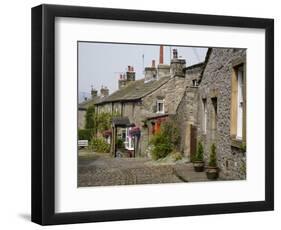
(160, 106)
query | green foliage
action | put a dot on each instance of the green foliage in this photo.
(213, 156)
(85, 134)
(99, 145)
(243, 147)
(162, 146)
(170, 129)
(120, 144)
(165, 141)
(90, 118)
(103, 121)
(200, 151)
(177, 156)
(98, 122)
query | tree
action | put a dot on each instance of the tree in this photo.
(90, 118)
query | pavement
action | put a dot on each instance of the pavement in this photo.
(100, 169)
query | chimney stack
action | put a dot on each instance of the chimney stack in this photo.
(177, 65)
(124, 79)
(94, 92)
(175, 53)
(161, 56)
(104, 91)
(153, 64)
(150, 72)
(131, 75)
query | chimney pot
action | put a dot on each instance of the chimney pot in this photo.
(175, 53)
(161, 56)
(153, 64)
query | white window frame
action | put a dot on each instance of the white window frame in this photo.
(163, 108)
(240, 101)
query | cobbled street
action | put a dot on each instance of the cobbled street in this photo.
(103, 170)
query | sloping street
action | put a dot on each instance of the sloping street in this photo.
(102, 170)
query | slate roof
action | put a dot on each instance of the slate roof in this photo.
(121, 121)
(135, 90)
(85, 104)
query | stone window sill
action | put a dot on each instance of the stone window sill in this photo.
(237, 143)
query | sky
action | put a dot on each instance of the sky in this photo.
(100, 64)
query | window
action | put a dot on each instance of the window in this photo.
(160, 106)
(204, 118)
(194, 83)
(238, 107)
(214, 116)
(239, 103)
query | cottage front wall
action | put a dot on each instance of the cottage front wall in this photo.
(139, 110)
(171, 93)
(215, 88)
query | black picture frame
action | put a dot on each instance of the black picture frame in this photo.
(43, 114)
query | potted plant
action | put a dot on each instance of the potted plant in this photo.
(212, 169)
(198, 162)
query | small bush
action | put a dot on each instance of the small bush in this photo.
(99, 145)
(165, 141)
(120, 144)
(85, 134)
(199, 153)
(161, 146)
(213, 156)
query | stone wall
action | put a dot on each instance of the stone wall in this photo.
(186, 116)
(215, 86)
(171, 92)
(187, 110)
(81, 119)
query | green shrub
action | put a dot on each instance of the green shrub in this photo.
(120, 144)
(213, 156)
(85, 134)
(170, 129)
(243, 147)
(165, 141)
(90, 122)
(161, 146)
(99, 145)
(199, 154)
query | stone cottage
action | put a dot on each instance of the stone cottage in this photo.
(214, 110)
(83, 106)
(147, 102)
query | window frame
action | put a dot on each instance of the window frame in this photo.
(160, 101)
(237, 141)
(205, 116)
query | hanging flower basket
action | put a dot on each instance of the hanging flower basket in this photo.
(107, 133)
(135, 132)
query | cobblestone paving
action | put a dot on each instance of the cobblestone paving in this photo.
(102, 170)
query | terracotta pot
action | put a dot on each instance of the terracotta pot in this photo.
(198, 166)
(212, 173)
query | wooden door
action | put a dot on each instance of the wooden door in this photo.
(193, 141)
